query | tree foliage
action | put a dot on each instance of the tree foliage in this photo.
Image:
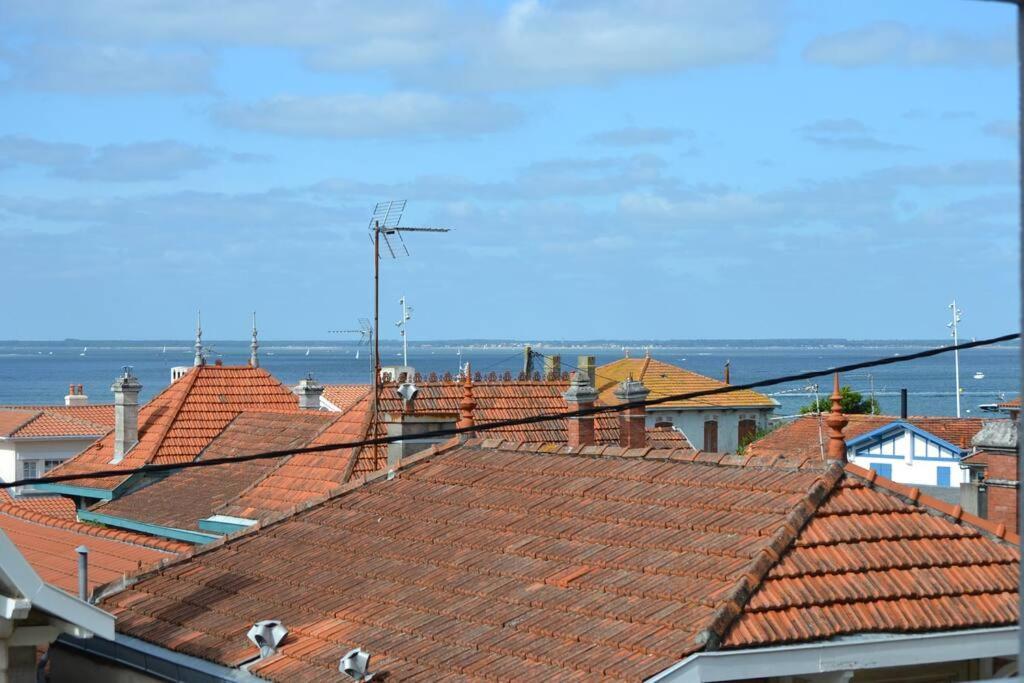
(852, 402)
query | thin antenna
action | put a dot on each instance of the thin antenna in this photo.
(384, 223)
(254, 360)
(406, 315)
(956, 352)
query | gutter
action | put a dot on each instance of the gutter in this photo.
(172, 533)
(850, 653)
(80, 491)
(154, 661)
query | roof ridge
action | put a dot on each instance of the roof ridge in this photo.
(914, 496)
(173, 416)
(31, 416)
(92, 530)
(102, 429)
(365, 424)
(781, 541)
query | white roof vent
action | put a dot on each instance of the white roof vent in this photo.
(267, 635)
(355, 665)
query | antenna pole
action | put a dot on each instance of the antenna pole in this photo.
(376, 315)
(405, 337)
(956, 352)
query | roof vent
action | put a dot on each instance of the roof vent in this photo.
(355, 665)
(267, 635)
(407, 391)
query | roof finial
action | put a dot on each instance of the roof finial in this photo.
(254, 360)
(199, 359)
(836, 421)
(647, 352)
(468, 403)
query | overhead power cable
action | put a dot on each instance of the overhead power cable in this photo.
(516, 422)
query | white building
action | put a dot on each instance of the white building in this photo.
(719, 423)
(35, 439)
(908, 454)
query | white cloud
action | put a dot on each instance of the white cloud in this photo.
(899, 44)
(848, 134)
(390, 115)
(107, 68)
(1005, 129)
(633, 136)
(140, 161)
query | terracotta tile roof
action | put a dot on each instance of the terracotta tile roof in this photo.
(666, 437)
(48, 543)
(800, 437)
(52, 506)
(1015, 403)
(183, 498)
(180, 421)
(665, 379)
(82, 420)
(506, 561)
(872, 560)
(344, 396)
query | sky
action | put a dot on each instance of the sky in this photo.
(625, 170)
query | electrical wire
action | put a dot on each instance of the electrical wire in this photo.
(515, 422)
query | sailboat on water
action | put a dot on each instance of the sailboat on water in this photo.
(357, 354)
(84, 349)
(307, 351)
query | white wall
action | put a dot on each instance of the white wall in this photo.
(913, 459)
(691, 422)
(15, 451)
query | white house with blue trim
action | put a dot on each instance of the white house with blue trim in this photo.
(908, 455)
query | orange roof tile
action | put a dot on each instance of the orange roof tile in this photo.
(183, 498)
(49, 543)
(492, 560)
(52, 506)
(12, 420)
(800, 437)
(80, 420)
(180, 421)
(344, 396)
(665, 379)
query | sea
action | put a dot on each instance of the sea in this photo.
(39, 372)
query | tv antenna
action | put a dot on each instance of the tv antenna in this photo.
(957, 313)
(365, 333)
(406, 315)
(384, 225)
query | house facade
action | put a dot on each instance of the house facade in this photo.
(910, 455)
(720, 423)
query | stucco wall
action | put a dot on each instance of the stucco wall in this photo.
(691, 422)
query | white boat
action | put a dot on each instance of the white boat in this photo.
(979, 375)
(357, 354)
(165, 350)
(307, 352)
(83, 351)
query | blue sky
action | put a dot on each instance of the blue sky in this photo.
(691, 169)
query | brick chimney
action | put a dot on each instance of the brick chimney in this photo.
(76, 396)
(632, 421)
(992, 464)
(309, 392)
(835, 422)
(580, 396)
(588, 366)
(126, 390)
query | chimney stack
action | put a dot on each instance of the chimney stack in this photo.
(552, 367)
(309, 392)
(903, 404)
(76, 396)
(126, 390)
(588, 366)
(83, 573)
(580, 396)
(835, 422)
(726, 373)
(632, 421)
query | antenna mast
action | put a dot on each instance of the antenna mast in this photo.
(406, 314)
(384, 226)
(956, 352)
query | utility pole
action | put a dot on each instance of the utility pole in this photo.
(956, 352)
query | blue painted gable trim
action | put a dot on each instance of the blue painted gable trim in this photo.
(880, 433)
(151, 529)
(82, 491)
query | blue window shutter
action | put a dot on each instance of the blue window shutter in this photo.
(942, 476)
(883, 469)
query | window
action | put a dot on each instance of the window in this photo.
(942, 476)
(883, 469)
(28, 469)
(50, 464)
(746, 432)
(711, 436)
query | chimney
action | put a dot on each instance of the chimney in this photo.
(903, 404)
(468, 403)
(309, 392)
(83, 573)
(992, 491)
(835, 422)
(126, 390)
(580, 396)
(588, 366)
(76, 396)
(552, 367)
(632, 421)
(725, 375)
